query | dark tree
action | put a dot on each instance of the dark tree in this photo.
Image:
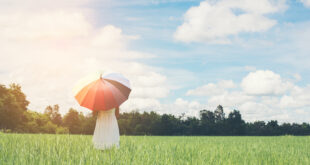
(235, 124)
(15, 117)
(13, 104)
(53, 114)
(219, 114)
(207, 122)
(72, 121)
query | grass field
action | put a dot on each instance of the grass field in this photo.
(77, 149)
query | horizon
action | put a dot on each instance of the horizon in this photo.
(180, 56)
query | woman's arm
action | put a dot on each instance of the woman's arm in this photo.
(117, 112)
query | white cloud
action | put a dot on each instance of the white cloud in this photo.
(189, 108)
(306, 3)
(212, 89)
(178, 107)
(230, 99)
(48, 51)
(297, 77)
(264, 95)
(216, 21)
(299, 98)
(286, 108)
(265, 82)
(56, 25)
(249, 68)
(154, 92)
(292, 43)
(226, 84)
(141, 104)
(39, 4)
(254, 111)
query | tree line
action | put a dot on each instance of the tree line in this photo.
(15, 117)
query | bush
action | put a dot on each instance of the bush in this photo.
(5, 131)
(62, 130)
(49, 127)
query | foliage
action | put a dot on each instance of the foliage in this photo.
(14, 117)
(53, 114)
(12, 105)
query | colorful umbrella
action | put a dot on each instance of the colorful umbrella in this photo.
(104, 93)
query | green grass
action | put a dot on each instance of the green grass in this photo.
(34, 149)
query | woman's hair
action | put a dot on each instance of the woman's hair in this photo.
(117, 112)
(95, 113)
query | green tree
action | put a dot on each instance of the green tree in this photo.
(19, 96)
(219, 114)
(12, 105)
(89, 122)
(53, 114)
(235, 124)
(207, 122)
(72, 121)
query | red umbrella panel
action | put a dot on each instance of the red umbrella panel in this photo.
(104, 93)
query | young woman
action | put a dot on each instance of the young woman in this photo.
(106, 134)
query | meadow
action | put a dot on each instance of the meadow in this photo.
(51, 149)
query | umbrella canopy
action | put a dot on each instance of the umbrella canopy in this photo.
(104, 93)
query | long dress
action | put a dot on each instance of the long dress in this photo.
(106, 134)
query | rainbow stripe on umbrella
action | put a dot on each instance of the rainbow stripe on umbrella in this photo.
(104, 93)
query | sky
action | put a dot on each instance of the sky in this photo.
(180, 56)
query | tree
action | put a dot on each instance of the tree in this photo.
(72, 121)
(207, 122)
(235, 124)
(169, 125)
(219, 114)
(13, 104)
(15, 117)
(19, 96)
(53, 114)
(272, 128)
(256, 128)
(89, 122)
(191, 126)
(33, 122)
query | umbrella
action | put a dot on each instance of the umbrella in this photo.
(104, 93)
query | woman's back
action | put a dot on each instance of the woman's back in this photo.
(106, 134)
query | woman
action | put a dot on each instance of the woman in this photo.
(106, 134)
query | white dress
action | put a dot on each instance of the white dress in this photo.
(106, 134)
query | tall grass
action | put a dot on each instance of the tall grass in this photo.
(77, 149)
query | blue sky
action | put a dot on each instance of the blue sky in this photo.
(243, 54)
(155, 23)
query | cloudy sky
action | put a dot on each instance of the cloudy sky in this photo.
(180, 56)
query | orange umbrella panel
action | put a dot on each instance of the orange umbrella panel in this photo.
(103, 94)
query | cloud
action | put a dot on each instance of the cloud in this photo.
(249, 68)
(306, 3)
(56, 25)
(264, 82)
(182, 106)
(231, 99)
(216, 22)
(189, 108)
(46, 4)
(264, 95)
(211, 88)
(179, 107)
(48, 51)
(141, 104)
(292, 45)
(297, 77)
(298, 98)
(256, 111)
